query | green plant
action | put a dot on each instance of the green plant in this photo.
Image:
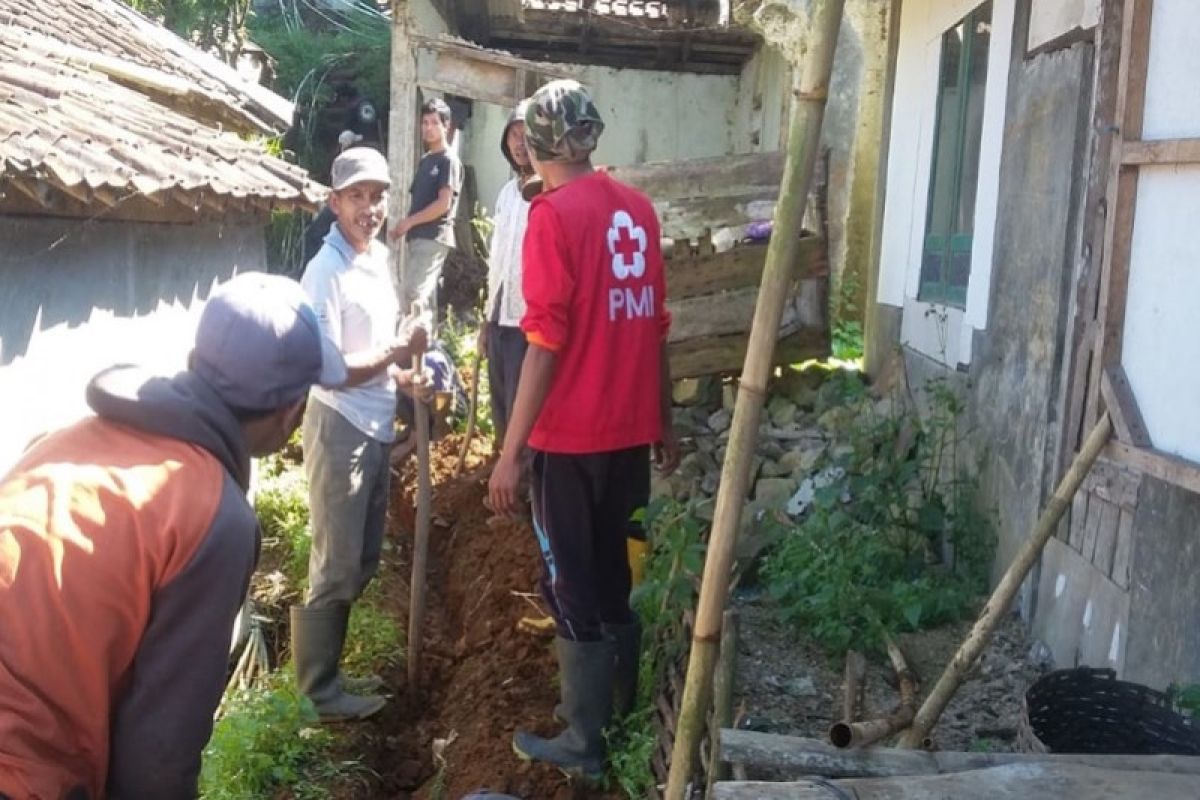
(281, 501)
(846, 330)
(373, 639)
(458, 334)
(894, 539)
(674, 565)
(267, 740)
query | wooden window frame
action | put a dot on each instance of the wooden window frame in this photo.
(1097, 383)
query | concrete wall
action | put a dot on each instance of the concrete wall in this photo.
(1018, 357)
(1165, 584)
(79, 297)
(667, 116)
(648, 116)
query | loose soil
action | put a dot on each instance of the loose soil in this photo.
(481, 678)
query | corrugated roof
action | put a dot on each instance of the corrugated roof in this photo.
(636, 9)
(110, 28)
(72, 126)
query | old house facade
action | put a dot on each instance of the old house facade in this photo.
(133, 177)
(1034, 249)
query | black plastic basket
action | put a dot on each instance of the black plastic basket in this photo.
(1088, 710)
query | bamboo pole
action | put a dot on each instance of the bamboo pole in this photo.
(416, 604)
(848, 733)
(855, 681)
(1006, 590)
(804, 134)
(722, 698)
(801, 756)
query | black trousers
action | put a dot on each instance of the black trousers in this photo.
(505, 353)
(583, 509)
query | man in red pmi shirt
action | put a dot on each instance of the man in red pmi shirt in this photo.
(592, 401)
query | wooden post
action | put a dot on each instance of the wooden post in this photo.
(416, 604)
(402, 123)
(722, 698)
(804, 136)
(1006, 590)
(854, 684)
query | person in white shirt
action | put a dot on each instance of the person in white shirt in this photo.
(349, 431)
(500, 337)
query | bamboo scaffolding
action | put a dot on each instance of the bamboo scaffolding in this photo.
(804, 134)
(1002, 597)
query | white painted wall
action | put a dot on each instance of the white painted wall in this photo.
(942, 333)
(648, 116)
(1049, 19)
(79, 298)
(1172, 95)
(1162, 338)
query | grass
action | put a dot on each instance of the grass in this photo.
(267, 741)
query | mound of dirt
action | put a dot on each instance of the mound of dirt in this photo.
(482, 678)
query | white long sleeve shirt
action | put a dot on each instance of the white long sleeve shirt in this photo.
(504, 262)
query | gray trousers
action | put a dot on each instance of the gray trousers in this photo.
(424, 266)
(505, 353)
(348, 480)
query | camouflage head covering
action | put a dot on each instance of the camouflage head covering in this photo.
(562, 123)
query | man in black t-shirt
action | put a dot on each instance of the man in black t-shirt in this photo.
(429, 226)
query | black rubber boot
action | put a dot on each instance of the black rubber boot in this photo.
(586, 673)
(317, 638)
(627, 641)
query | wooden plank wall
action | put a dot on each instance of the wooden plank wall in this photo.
(1100, 526)
(712, 295)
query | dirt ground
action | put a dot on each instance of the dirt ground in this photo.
(481, 677)
(786, 685)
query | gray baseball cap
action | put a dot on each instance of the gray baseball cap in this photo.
(358, 164)
(258, 344)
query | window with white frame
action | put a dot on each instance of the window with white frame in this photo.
(954, 171)
(943, 171)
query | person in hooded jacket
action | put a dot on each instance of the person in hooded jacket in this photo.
(126, 549)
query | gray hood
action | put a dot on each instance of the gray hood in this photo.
(182, 407)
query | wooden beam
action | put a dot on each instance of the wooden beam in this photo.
(1037, 781)
(29, 188)
(485, 75)
(694, 196)
(692, 275)
(1123, 408)
(714, 355)
(1162, 151)
(803, 756)
(733, 311)
(1157, 464)
(1122, 197)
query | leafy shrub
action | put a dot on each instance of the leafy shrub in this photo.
(894, 541)
(266, 740)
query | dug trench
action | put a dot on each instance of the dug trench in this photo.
(481, 678)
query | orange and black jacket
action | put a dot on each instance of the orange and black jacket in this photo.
(126, 547)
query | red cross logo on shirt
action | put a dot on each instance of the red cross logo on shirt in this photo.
(627, 245)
